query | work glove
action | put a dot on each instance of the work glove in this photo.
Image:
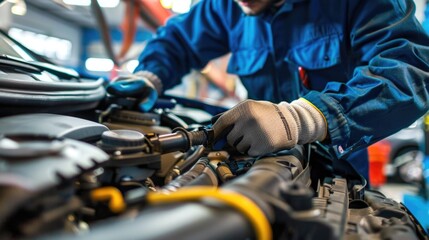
(260, 127)
(144, 86)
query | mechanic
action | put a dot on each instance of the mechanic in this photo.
(345, 72)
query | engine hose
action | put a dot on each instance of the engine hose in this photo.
(200, 174)
(192, 159)
(114, 197)
(184, 165)
(235, 200)
(266, 177)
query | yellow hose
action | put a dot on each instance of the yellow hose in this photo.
(111, 194)
(241, 203)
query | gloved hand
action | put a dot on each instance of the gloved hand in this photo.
(260, 127)
(142, 85)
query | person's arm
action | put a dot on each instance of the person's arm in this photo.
(187, 42)
(389, 90)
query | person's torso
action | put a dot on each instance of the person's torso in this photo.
(274, 53)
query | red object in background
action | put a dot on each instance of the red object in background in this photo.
(378, 158)
(150, 12)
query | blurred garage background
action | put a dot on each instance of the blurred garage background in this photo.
(69, 33)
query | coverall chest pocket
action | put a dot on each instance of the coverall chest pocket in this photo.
(320, 59)
(247, 62)
(256, 72)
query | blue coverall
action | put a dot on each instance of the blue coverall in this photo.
(367, 61)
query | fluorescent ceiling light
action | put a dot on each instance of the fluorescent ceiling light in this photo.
(131, 65)
(103, 3)
(108, 3)
(78, 2)
(181, 6)
(19, 8)
(99, 64)
(167, 4)
(177, 6)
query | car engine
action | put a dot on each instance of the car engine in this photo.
(133, 175)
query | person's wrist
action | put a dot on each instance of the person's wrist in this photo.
(153, 78)
(313, 125)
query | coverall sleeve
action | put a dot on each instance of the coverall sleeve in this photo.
(186, 42)
(388, 90)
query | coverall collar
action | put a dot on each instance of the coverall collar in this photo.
(286, 7)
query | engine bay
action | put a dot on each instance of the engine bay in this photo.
(134, 175)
